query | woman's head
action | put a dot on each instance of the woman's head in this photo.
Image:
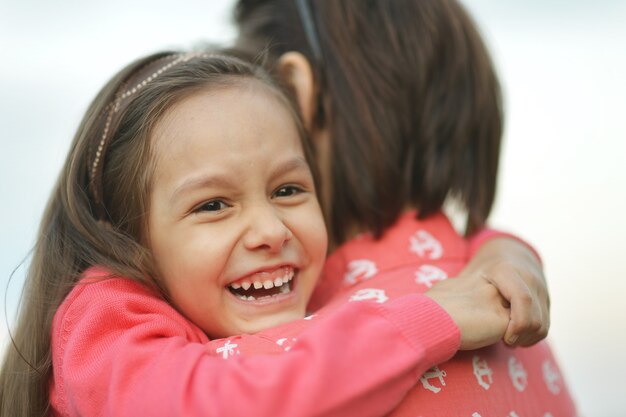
(404, 90)
(121, 198)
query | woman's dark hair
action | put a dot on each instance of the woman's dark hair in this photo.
(410, 97)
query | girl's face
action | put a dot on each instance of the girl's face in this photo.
(235, 228)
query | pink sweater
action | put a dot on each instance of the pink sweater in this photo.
(492, 382)
(120, 350)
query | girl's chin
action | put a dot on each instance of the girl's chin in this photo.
(263, 322)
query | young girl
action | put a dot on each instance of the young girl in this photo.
(187, 211)
(403, 106)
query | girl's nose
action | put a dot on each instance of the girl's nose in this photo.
(266, 230)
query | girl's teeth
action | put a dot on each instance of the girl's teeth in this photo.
(279, 282)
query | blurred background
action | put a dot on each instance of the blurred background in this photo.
(562, 182)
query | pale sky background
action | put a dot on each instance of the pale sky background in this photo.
(562, 182)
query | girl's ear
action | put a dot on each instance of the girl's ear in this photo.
(297, 73)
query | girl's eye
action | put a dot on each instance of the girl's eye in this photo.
(213, 205)
(287, 191)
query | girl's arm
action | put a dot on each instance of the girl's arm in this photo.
(515, 268)
(118, 350)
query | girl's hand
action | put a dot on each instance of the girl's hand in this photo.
(517, 274)
(476, 306)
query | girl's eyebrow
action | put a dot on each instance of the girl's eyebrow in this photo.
(217, 181)
(292, 164)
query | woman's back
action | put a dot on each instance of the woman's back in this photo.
(495, 381)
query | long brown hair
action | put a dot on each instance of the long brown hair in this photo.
(408, 93)
(98, 209)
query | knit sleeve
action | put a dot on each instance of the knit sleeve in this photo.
(118, 350)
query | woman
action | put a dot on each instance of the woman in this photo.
(403, 106)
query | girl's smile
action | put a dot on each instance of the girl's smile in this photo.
(264, 284)
(235, 228)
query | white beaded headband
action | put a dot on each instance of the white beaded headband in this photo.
(126, 92)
